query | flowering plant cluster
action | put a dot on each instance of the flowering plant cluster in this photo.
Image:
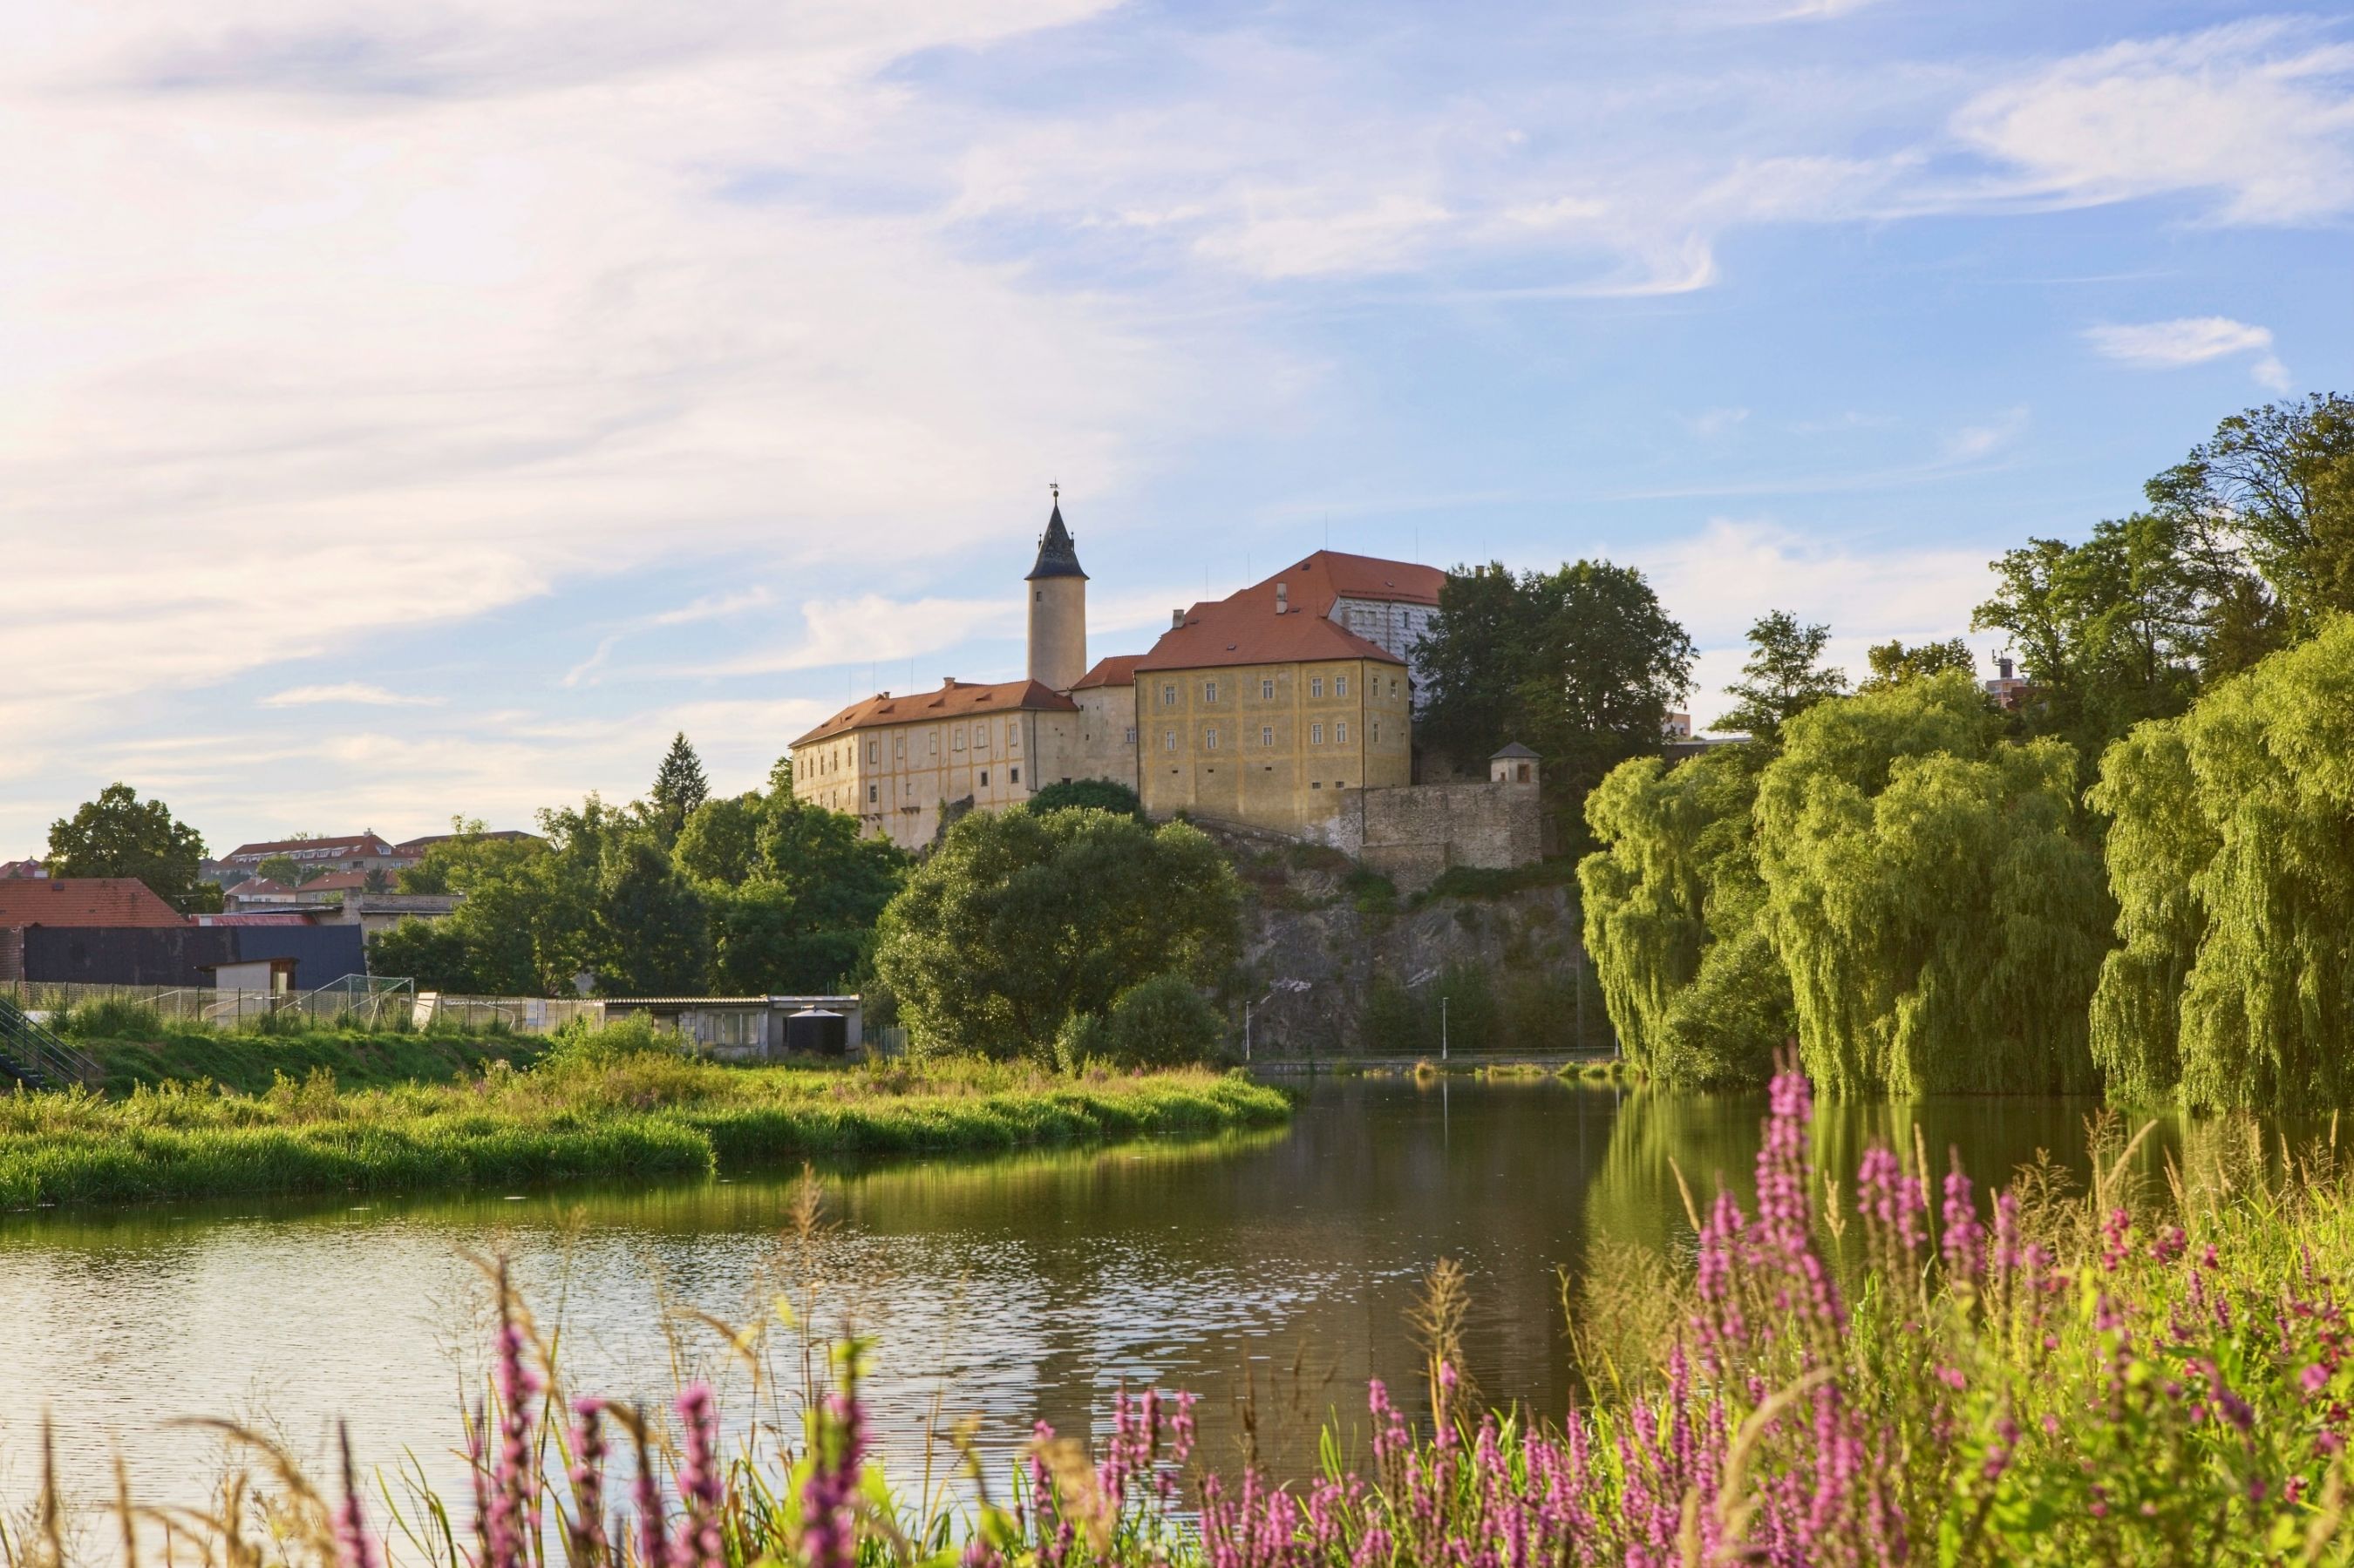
(1898, 1374)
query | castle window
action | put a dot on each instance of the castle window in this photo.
(1316, 687)
(1012, 736)
(1315, 735)
(874, 752)
(1266, 690)
(1209, 690)
(1266, 735)
(1131, 734)
(1017, 776)
(1341, 685)
(1169, 741)
(873, 794)
(1340, 733)
(984, 777)
(936, 743)
(1394, 686)
(1210, 739)
(1169, 694)
(1377, 732)
(958, 737)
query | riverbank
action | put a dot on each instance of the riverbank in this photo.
(578, 1114)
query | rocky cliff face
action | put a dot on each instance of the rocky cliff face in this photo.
(1335, 964)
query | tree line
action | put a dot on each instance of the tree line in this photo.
(2140, 880)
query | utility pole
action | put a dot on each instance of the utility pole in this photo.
(1442, 1027)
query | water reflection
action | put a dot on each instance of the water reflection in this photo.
(1274, 1268)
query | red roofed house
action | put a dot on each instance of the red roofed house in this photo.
(77, 901)
(348, 852)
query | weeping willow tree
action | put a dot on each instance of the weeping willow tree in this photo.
(1672, 902)
(1933, 896)
(2232, 858)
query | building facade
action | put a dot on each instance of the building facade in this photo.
(1261, 709)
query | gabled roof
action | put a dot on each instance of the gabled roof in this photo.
(312, 849)
(1119, 670)
(1513, 751)
(1247, 630)
(1324, 578)
(256, 887)
(957, 699)
(419, 846)
(83, 901)
(1057, 556)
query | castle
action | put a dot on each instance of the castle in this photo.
(1280, 708)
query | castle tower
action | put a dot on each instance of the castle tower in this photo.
(1058, 607)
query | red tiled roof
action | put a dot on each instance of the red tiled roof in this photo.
(314, 849)
(957, 699)
(255, 887)
(83, 901)
(1245, 630)
(1119, 670)
(1328, 576)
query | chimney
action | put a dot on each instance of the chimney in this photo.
(1176, 619)
(946, 681)
(1282, 598)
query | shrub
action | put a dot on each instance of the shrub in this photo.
(1088, 794)
(112, 1019)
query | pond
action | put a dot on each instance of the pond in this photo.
(1271, 1272)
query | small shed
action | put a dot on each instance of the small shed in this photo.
(750, 1028)
(1515, 764)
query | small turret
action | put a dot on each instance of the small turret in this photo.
(1058, 606)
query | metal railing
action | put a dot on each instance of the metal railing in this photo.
(36, 1058)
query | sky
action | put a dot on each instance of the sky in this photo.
(426, 410)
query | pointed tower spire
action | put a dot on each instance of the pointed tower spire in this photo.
(1058, 605)
(1057, 556)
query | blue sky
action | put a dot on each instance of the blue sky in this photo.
(408, 412)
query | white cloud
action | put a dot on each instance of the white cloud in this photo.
(1721, 579)
(874, 629)
(2258, 115)
(2191, 340)
(354, 692)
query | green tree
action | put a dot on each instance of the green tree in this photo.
(679, 788)
(2117, 629)
(2276, 484)
(119, 834)
(1892, 664)
(721, 840)
(1017, 921)
(287, 872)
(1673, 910)
(1093, 794)
(2233, 871)
(1605, 664)
(434, 954)
(1934, 897)
(803, 919)
(1163, 1022)
(654, 928)
(1473, 659)
(1783, 678)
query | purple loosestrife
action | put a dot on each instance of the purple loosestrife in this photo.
(654, 1529)
(829, 1498)
(700, 1488)
(587, 1530)
(513, 1487)
(354, 1548)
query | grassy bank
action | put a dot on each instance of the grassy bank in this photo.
(582, 1112)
